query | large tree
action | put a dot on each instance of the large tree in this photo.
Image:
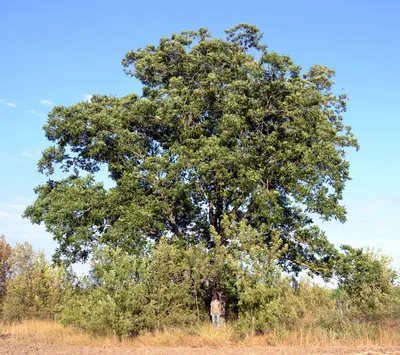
(224, 128)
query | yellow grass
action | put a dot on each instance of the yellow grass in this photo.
(206, 336)
(54, 333)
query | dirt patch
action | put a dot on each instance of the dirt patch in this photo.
(8, 345)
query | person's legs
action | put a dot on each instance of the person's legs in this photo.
(215, 319)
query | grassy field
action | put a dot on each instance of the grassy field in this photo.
(46, 332)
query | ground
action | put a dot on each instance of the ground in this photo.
(8, 345)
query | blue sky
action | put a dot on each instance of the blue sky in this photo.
(59, 52)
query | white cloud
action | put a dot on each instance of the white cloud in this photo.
(23, 237)
(35, 113)
(47, 102)
(369, 209)
(87, 97)
(10, 217)
(16, 207)
(9, 104)
(18, 230)
(32, 112)
(34, 154)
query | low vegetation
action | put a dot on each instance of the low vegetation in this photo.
(50, 332)
(163, 298)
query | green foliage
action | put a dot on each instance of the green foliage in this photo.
(169, 286)
(223, 127)
(34, 288)
(126, 294)
(265, 298)
(257, 277)
(367, 279)
(177, 275)
(5, 265)
(114, 298)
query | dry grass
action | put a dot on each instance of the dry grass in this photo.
(54, 333)
(317, 337)
(207, 336)
(202, 336)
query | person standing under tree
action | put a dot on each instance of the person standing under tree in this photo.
(216, 310)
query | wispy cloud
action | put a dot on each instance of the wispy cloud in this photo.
(17, 208)
(17, 229)
(9, 104)
(35, 113)
(87, 97)
(47, 102)
(34, 154)
(7, 216)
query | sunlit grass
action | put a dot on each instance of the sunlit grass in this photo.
(54, 333)
(207, 336)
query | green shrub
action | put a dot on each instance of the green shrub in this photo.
(115, 297)
(34, 288)
(366, 280)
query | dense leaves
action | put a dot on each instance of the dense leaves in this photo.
(5, 265)
(224, 128)
(33, 288)
(169, 287)
(367, 279)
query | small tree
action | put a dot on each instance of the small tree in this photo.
(258, 279)
(5, 265)
(34, 288)
(198, 265)
(175, 284)
(367, 278)
(114, 299)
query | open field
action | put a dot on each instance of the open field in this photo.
(38, 337)
(11, 347)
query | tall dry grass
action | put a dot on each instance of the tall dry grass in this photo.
(49, 332)
(208, 336)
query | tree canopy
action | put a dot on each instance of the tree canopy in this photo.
(224, 129)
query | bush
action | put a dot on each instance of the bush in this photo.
(113, 299)
(366, 280)
(170, 284)
(5, 265)
(34, 288)
(126, 294)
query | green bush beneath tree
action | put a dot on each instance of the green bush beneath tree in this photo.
(171, 287)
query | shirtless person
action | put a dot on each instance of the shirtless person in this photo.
(216, 310)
